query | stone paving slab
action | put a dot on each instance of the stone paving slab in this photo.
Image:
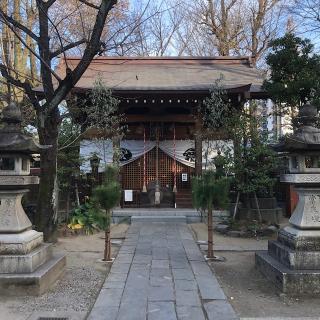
(160, 274)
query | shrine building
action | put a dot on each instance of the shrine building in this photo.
(159, 99)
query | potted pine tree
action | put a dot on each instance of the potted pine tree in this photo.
(209, 192)
(106, 197)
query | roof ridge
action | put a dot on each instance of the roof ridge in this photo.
(165, 58)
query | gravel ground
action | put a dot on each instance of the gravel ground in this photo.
(75, 293)
(250, 293)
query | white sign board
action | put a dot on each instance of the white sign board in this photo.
(128, 195)
(184, 177)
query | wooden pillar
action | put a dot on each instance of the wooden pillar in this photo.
(198, 147)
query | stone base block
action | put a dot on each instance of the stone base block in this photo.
(35, 283)
(297, 239)
(294, 259)
(26, 263)
(20, 243)
(291, 282)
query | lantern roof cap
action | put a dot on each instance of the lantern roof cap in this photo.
(306, 136)
(12, 138)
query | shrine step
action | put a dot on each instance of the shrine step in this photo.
(191, 215)
(178, 219)
(184, 199)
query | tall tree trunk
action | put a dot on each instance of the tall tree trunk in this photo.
(210, 234)
(46, 211)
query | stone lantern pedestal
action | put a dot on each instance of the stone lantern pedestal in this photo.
(292, 262)
(27, 264)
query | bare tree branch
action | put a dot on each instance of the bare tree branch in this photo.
(30, 49)
(26, 86)
(7, 19)
(49, 3)
(92, 48)
(67, 47)
(89, 4)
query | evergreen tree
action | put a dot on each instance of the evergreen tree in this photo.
(107, 196)
(294, 72)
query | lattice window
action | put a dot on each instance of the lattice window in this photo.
(132, 173)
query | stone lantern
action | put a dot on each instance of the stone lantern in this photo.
(293, 260)
(27, 265)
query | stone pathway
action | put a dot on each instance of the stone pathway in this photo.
(160, 274)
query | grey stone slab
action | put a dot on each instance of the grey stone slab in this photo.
(195, 257)
(117, 276)
(160, 272)
(160, 264)
(220, 309)
(190, 313)
(127, 249)
(101, 313)
(109, 298)
(164, 293)
(144, 251)
(160, 281)
(161, 311)
(124, 257)
(160, 253)
(179, 264)
(119, 267)
(210, 288)
(201, 268)
(114, 285)
(187, 298)
(186, 285)
(182, 274)
(133, 311)
(142, 259)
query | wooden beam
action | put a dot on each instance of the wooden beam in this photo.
(177, 118)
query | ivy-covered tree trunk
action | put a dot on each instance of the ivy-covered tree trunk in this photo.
(45, 219)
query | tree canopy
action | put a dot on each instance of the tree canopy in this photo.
(294, 72)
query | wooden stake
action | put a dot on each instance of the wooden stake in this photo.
(210, 235)
(236, 206)
(107, 245)
(258, 207)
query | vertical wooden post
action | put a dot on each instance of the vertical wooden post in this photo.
(198, 147)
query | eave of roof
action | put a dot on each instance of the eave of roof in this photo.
(167, 74)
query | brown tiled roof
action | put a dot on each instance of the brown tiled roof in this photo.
(167, 73)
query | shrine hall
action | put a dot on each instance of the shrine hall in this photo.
(159, 99)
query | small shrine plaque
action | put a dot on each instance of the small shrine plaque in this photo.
(128, 195)
(184, 177)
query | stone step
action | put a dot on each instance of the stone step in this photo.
(35, 283)
(179, 219)
(155, 212)
(26, 263)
